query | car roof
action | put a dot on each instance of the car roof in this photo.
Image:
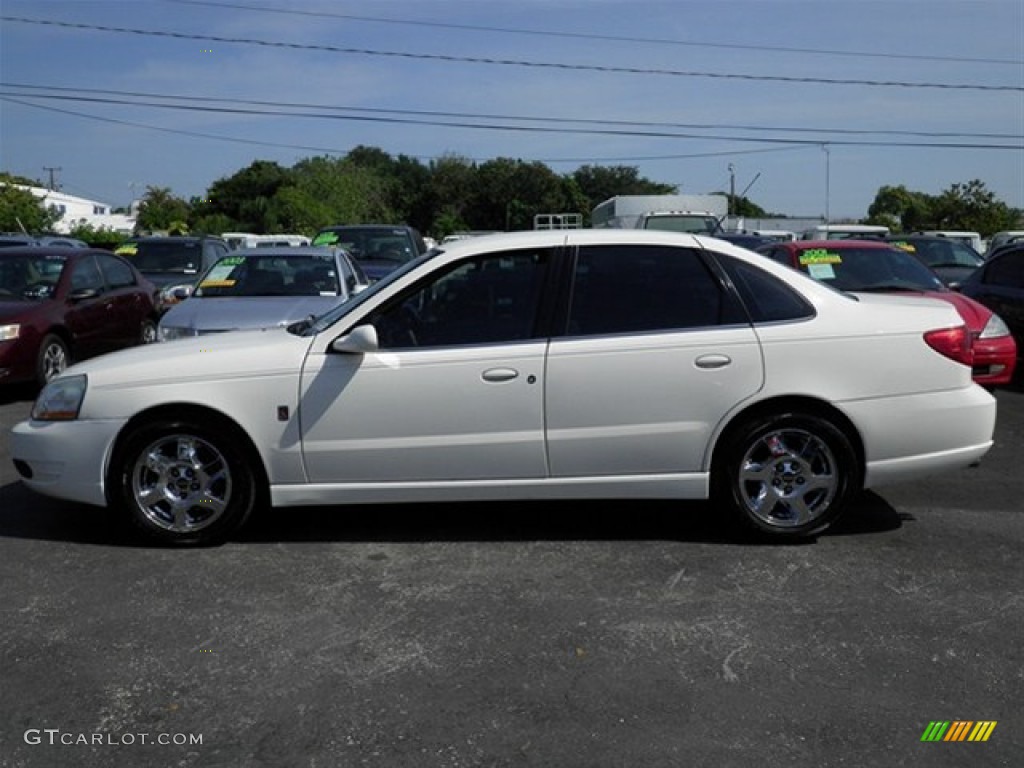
(284, 251)
(803, 245)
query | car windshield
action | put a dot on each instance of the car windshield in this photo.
(381, 244)
(868, 269)
(270, 275)
(164, 256)
(941, 253)
(29, 277)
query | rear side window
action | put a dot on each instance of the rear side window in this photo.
(118, 274)
(634, 289)
(768, 299)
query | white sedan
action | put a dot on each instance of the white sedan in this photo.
(564, 364)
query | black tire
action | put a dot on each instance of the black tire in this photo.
(54, 356)
(180, 483)
(788, 476)
(147, 332)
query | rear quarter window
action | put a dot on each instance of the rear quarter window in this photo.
(767, 298)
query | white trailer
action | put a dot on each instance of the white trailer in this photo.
(701, 214)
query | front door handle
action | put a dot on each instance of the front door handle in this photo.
(500, 374)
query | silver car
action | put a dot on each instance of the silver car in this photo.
(264, 287)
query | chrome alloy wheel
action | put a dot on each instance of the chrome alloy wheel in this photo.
(788, 478)
(181, 483)
(54, 360)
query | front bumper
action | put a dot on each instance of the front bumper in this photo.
(65, 459)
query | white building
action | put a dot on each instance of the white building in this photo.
(75, 211)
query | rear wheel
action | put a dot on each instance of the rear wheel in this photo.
(181, 483)
(788, 476)
(53, 358)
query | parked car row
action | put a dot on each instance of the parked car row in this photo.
(546, 365)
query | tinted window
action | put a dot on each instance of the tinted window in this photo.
(486, 300)
(1007, 271)
(767, 298)
(85, 274)
(117, 273)
(630, 289)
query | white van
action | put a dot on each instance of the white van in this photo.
(238, 240)
(844, 231)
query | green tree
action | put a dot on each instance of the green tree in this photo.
(453, 181)
(245, 196)
(900, 209)
(161, 211)
(330, 191)
(21, 211)
(973, 207)
(969, 206)
(97, 237)
(510, 192)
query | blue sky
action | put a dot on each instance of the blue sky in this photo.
(815, 104)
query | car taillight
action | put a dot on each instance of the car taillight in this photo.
(954, 343)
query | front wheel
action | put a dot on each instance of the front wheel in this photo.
(147, 332)
(53, 358)
(180, 483)
(789, 476)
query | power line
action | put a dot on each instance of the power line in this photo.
(190, 100)
(590, 36)
(499, 127)
(517, 62)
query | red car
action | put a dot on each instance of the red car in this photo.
(58, 305)
(875, 266)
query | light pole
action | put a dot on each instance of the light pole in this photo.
(828, 182)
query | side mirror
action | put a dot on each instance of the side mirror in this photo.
(83, 293)
(360, 341)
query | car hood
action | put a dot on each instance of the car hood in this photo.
(245, 312)
(163, 279)
(14, 310)
(243, 354)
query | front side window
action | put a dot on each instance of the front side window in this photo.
(85, 274)
(490, 299)
(634, 289)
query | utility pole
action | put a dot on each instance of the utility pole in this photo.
(732, 188)
(53, 185)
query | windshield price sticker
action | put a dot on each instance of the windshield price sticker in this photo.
(820, 256)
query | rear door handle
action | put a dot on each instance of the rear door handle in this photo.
(500, 374)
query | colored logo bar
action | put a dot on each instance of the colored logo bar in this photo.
(958, 730)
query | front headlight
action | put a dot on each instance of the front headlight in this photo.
(172, 332)
(60, 400)
(995, 328)
(9, 332)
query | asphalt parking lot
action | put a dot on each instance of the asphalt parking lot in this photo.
(611, 634)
